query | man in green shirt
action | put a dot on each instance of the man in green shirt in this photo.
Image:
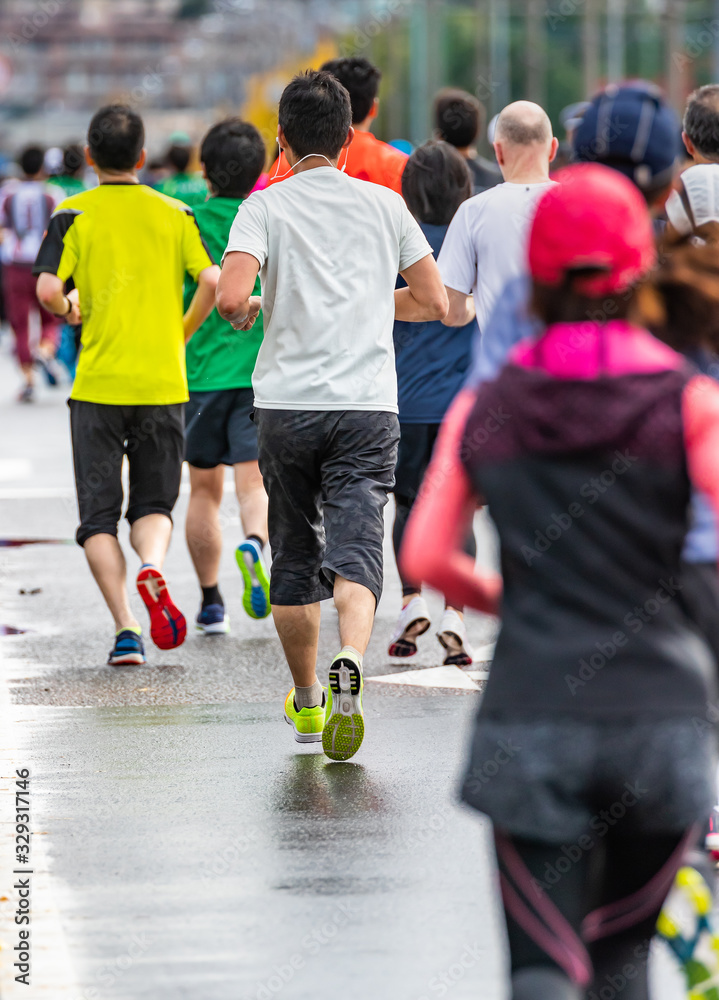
(220, 362)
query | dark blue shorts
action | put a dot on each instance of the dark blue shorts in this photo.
(219, 428)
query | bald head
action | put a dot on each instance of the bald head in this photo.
(523, 124)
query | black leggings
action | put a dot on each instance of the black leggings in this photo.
(403, 507)
(580, 922)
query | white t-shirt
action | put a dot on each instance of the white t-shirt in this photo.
(329, 248)
(486, 243)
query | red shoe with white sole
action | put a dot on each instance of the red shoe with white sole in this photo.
(168, 627)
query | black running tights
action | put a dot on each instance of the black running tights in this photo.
(581, 916)
(403, 507)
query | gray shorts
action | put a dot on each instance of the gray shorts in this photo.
(327, 475)
(556, 779)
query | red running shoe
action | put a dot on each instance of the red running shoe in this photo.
(168, 627)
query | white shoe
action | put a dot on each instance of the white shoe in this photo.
(412, 622)
(453, 637)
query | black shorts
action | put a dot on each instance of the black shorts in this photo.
(152, 437)
(219, 428)
(416, 444)
(550, 779)
(327, 476)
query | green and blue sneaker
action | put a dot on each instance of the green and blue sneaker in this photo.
(307, 723)
(686, 924)
(344, 721)
(256, 598)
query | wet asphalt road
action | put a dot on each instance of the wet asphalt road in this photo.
(184, 845)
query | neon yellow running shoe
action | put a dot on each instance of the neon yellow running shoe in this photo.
(307, 723)
(251, 563)
(344, 721)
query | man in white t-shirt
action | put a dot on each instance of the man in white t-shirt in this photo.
(486, 243)
(328, 249)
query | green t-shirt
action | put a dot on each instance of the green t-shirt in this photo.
(190, 188)
(68, 185)
(219, 357)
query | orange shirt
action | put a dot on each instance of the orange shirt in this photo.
(368, 158)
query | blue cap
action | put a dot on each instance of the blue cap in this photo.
(631, 128)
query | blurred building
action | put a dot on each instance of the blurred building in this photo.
(173, 60)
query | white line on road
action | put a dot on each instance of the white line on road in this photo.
(52, 973)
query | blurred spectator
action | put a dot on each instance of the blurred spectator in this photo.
(458, 119)
(24, 216)
(367, 158)
(181, 183)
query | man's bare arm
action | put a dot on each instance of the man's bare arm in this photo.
(51, 295)
(203, 301)
(235, 301)
(461, 308)
(424, 299)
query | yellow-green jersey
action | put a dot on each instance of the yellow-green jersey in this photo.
(127, 248)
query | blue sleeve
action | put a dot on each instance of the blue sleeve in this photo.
(509, 323)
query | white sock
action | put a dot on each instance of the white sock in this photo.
(309, 697)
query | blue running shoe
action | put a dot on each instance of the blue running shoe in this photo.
(128, 650)
(256, 598)
(212, 620)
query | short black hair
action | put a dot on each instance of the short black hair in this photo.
(458, 117)
(31, 160)
(73, 159)
(435, 182)
(234, 155)
(178, 156)
(116, 136)
(701, 120)
(361, 80)
(315, 114)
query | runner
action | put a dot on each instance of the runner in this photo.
(599, 675)
(181, 184)
(432, 363)
(459, 118)
(328, 248)
(367, 158)
(701, 124)
(220, 362)
(485, 244)
(25, 211)
(71, 179)
(131, 385)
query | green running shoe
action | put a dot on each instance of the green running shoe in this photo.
(344, 721)
(256, 598)
(307, 723)
(685, 923)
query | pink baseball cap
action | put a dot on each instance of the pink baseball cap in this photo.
(593, 217)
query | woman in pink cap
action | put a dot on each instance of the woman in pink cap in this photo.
(586, 753)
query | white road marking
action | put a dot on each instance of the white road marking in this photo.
(433, 677)
(52, 973)
(478, 675)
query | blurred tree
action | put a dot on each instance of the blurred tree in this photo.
(194, 8)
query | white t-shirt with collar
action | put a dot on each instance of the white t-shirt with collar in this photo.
(486, 243)
(329, 248)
